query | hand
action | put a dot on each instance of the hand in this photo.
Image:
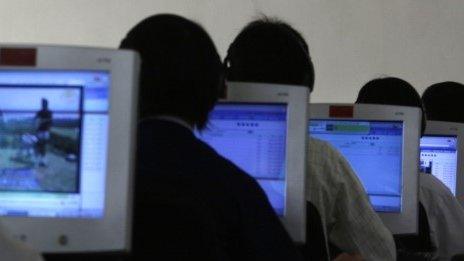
(348, 257)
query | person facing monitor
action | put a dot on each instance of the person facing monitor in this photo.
(271, 51)
(190, 202)
(444, 214)
(443, 103)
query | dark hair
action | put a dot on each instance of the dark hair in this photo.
(443, 102)
(270, 51)
(181, 73)
(392, 91)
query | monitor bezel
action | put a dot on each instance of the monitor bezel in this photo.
(405, 222)
(297, 98)
(113, 231)
(452, 129)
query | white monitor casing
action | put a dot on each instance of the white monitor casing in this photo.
(297, 98)
(452, 129)
(405, 222)
(113, 231)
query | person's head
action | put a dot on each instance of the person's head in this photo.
(443, 102)
(181, 73)
(391, 91)
(44, 103)
(270, 51)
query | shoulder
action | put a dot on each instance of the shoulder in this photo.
(213, 161)
(173, 151)
(229, 178)
(328, 170)
(324, 158)
(438, 199)
(322, 152)
(431, 184)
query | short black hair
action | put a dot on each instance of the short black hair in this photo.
(443, 102)
(270, 51)
(392, 91)
(181, 73)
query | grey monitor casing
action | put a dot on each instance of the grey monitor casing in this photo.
(297, 98)
(405, 222)
(453, 129)
(113, 231)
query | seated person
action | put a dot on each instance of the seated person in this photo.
(444, 213)
(271, 51)
(181, 78)
(13, 250)
(443, 102)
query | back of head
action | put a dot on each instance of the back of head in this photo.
(270, 51)
(443, 102)
(391, 91)
(181, 73)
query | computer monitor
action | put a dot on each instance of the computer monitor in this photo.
(261, 129)
(67, 123)
(381, 143)
(441, 154)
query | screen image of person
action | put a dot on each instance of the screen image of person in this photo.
(53, 143)
(253, 136)
(374, 151)
(439, 157)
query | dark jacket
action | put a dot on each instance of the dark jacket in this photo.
(225, 215)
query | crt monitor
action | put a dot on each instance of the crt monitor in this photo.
(262, 132)
(381, 144)
(67, 118)
(441, 154)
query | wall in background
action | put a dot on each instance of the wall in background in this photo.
(351, 41)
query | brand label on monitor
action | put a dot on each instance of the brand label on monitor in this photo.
(341, 111)
(18, 56)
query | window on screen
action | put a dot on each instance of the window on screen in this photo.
(374, 151)
(253, 136)
(439, 157)
(40, 129)
(53, 142)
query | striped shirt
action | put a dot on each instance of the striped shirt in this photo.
(445, 216)
(349, 221)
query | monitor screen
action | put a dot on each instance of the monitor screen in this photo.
(253, 136)
(53, 143)
(439, 157)
(374, 151)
